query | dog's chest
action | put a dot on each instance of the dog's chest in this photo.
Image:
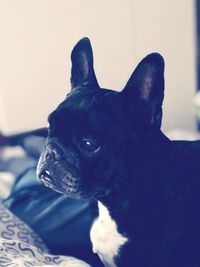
(106, 240)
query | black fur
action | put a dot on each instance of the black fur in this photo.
(108, 146)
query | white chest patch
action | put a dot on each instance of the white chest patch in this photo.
(106, 240)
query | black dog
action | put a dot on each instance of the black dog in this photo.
(108, 146)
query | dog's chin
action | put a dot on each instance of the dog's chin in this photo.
(64, 187)
(66, 182)
(60, 181)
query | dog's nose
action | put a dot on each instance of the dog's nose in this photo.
(54, 151)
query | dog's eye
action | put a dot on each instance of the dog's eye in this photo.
(89, 145)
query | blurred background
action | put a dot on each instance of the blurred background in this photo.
(37, 36)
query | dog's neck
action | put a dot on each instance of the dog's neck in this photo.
(110, 232)
(120, 201)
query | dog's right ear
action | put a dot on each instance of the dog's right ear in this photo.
(146, 85)
(82, 72)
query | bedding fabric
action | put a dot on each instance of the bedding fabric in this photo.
(62, 223)
(20, 246)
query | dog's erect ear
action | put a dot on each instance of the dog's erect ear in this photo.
(82, 72)
(147, 84)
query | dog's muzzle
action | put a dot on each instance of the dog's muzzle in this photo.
(45, 171)
(57, 169)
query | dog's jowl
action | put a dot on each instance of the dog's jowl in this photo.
(108, 146)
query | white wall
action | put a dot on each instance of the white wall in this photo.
(169, 28)
(36, 40)
(37, 37)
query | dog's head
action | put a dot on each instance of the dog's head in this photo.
(94, 132)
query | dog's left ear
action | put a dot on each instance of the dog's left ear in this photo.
(147, 84)
(82, 71)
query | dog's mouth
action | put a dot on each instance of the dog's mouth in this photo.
(62, 182)
(45, 178)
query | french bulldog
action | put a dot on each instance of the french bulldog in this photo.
(108, 146)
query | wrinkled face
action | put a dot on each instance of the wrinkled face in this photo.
(86, 140)
(94, 131)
